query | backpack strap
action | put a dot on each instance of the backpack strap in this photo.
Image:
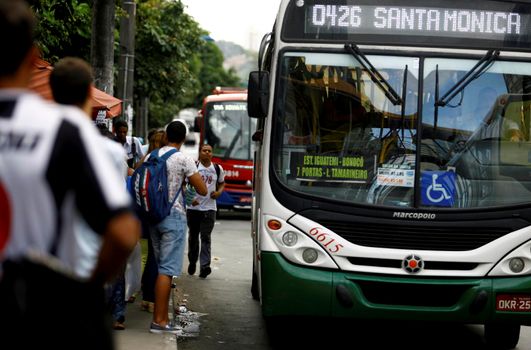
(177, 195)
(218, 171)
(133, 146)
(168, 154)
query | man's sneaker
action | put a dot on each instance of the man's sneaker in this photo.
(191, 269)
(205, 272)
(155, 328)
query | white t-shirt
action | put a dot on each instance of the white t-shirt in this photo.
(51, 166)
(210, 178)
(82, 253)
(128, 147)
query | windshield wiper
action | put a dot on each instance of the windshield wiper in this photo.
(480, 67)
(387, 89)
(229, 150)
(403, 109)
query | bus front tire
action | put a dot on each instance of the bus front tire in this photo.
(502, 335)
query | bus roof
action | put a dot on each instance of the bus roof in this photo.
(226, 97)
(220, 90)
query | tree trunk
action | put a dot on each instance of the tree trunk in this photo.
(102, 44)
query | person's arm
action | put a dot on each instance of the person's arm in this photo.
(119, 239)
(220, 183)
(197, 182)
(218, 191)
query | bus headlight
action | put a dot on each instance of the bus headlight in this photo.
(516, 265)
(297, 246)
(289, 238)
(309, 255)
(517, 262)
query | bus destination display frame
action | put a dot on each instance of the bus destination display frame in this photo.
(472, 24)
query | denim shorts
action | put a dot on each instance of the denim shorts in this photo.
(169, 238)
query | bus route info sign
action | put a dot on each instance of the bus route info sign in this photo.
(328, 168)
(398, 175)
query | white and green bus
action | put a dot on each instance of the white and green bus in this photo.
(393, 162)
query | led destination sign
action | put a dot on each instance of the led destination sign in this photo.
(413, 20)
(230, 107)
(472, 23)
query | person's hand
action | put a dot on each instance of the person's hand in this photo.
(214, 194)
(195, 202)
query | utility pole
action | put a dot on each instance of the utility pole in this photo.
(102, 44)
(127, 61)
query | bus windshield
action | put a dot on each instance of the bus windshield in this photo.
(229, 130)
(480, 139)
(338, 136)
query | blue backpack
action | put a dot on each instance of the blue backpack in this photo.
(149, 188)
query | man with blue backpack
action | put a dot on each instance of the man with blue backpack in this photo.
(157, 189)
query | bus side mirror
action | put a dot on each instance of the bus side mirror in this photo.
(197, 123)
(258, 94)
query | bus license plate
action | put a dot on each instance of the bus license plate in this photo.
(511, 302)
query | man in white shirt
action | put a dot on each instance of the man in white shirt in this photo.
(71, 83)
(201, 215)
(131, 144)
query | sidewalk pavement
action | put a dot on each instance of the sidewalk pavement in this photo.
(136, 335)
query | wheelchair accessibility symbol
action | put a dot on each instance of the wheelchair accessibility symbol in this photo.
(438, 188)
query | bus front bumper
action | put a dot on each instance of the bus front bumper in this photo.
(291, 290)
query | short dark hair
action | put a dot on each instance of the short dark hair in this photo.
(104, 131)
(206, 144)
(71, 80)
(120, 123)
(17, 30)
(176, 131)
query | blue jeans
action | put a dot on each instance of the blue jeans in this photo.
(115, 293)
(169, 238)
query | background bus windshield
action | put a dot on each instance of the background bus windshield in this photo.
(229, 130)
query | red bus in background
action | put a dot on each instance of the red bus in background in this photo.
(225, 124)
